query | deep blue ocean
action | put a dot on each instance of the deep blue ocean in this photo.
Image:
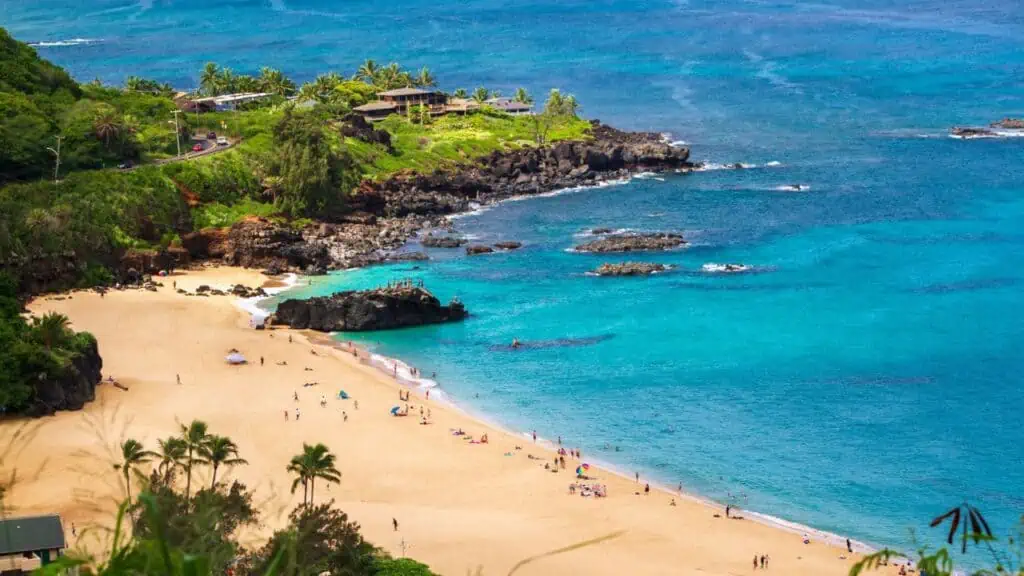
(865, 379)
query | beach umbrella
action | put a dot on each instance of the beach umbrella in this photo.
(342, 394)
(394, 411)
(579, 470)
(585, 466)
(235, 358)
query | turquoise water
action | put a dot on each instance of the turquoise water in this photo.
(866, 378)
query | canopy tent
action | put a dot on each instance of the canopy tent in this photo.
(342, 394)
(235, 358)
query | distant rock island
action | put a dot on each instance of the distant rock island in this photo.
(634, 243)
(362, 310)
(991, 131)
(630, 269)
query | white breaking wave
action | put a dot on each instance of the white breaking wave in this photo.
(992, 134)
(71, 42)
(713, 268)
(792, 188)
(712, 166)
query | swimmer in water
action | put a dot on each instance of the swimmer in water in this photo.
(515, 343)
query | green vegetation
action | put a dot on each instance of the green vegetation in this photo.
(967, 526)
(67, 225)
(178, 533)
(35, 354)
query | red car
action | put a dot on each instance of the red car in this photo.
(197, 148)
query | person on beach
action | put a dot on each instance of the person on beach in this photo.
(428, 393)
(261, 361)
(344, 416)
(755, 561)
(763, 559)
(394, 522)
(355, 404)
(295, 395)
(289, 338)
(178, 376)
(647, 489)
(559, 440)
(297, 414)
(323, 401)
(680, 488)
(849, 546)
(637, 474)
(534, 435)
(285, 414)
(728, 508)
(672, 503)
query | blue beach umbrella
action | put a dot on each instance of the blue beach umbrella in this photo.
(394, 411)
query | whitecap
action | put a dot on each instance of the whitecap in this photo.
(71, 42)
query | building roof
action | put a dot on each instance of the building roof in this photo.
(232, 98)
(375, 107)
(508, 105)
(404, 92)
(30, 534)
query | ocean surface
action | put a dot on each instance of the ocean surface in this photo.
(866, 377)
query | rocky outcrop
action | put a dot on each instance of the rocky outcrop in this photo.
(432, 241)
(73, 386)
(633, 243)
(971, 132)
(508, 245)
(600, 231)
(356, 126)
(630, 269)
(380, 309)
(407, 257)
(243, 291)
(1009, 124)
(610, 154)
(477, 249)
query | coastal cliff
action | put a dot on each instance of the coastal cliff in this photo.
(379, 309)
(70, 387)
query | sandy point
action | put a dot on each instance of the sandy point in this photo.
(460, 505)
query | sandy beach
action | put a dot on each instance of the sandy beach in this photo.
(459, 505)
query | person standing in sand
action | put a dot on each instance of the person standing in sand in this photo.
(755, 561)
(297, 414)
(849, 546)
(285, 414)
(394, 522)
(728, 508)
(637, 474)
(534, 435)
(261, 361)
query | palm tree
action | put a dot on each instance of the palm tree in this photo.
(246, 83)
(481, 94)
(424, 78)
(172, 454)
(226, 81)
(196, 438)
(522, 96)
(555, 102)
(461, 93)
(368, 71)
(220, 451)
(208, 79)
(133, 83)
(132, 456)
(274, 81)
(314, 462)
(52, 329)
(106, 124)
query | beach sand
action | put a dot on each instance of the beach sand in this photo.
(460, 506)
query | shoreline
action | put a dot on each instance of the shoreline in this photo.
(403, 377)
(461, 504)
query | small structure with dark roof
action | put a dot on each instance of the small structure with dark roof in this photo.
(30, 537)
(509, 106)
(404, 98)
(376, 110)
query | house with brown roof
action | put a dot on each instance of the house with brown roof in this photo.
(509, 106)
(400, 100)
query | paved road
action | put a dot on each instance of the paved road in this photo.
(209, 147)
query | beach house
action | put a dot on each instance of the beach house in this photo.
(29, 542)
(509, 106)
(400, 100)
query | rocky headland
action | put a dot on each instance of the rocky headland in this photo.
(653, 241)
(630, 269)
(378, 309)
(384, 215)
(70, 387)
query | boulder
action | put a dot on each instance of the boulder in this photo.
(379, 309)
(508, 245)
(600, 231)
(478, 249)
(633, 243)
(432, 241)
(630, 269)
(1009, 124)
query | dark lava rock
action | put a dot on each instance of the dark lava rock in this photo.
(630, 269)
(510, 245)
(356, 126)
(971, 132)
(407, 257)
(1009, 124)
(601, 231)
(380, 309)
(633, 243)
(478, 249)
(72, 386)
(442, 241)
(242, 291)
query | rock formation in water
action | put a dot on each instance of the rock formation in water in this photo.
(633, 243)
(630, 269)
(432, 241)
(379, 309)
(71, 387)
(477, 249)
(508, 245)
